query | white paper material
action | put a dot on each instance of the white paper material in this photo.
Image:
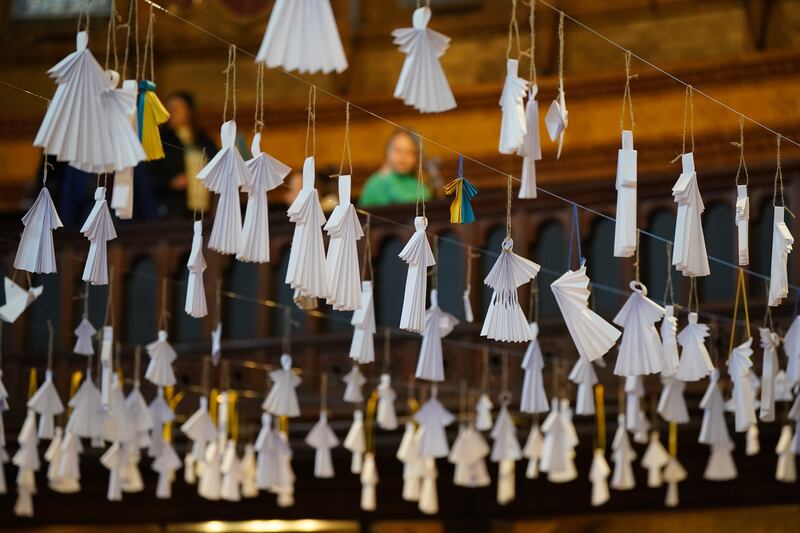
(695, 363)
(344, 230)
(428, 496)
(36, 252)
(355, 442)
(558, 451)
(195, 290)
(671, 403)
(166, 464)
(468, 455)
(720, 466)
(584, 376)
(354, 381)
(689, 252)
(46, 403)
(225, 174)
(418, 255)
(791, 346)
(513, 127)
(786, 469)
(266, 173)
(752, 444)
(53, 456)
(640, 348)
(302, 35)
(282, 397)
(160, 413)
(433, 418)
(713, 429)
(98, 229)
(533, 398)
(17, 300)
(623, 456)
(210, 482)
(438, 324)
(114, 460)
(674, 473)
(248, 465)
(483, 413)
(322, 439)
(635, 418)
(216, 344)
(85, 420)
(669, 342)
(385, 414)
(742, 221)
(162, 355)
(122, 194)
(200, 429)
(84, 342)
(422, 83)
(27, 460)
(106, 365)
(654, 460)
(598, 475)
(505, 451)
(505, 320)
(469, 317)
(531, 147)
(782, 241)
(739, 365)
(369, 480)
(625, 238)
(557, 119)
(533, 452)
(362, 347)
(67, 478)
(769, 370)
(592, 335)
(408, 454)
(306, 271)
(231, 468)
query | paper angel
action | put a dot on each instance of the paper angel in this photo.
(418, 255)
(592, 335)
(225, 174)
(634, 392)
(640, 348)
(99, 229)
(689, 254)
(598, 475)
(739, 365)
(231, 468)
(69, 464)
(533, 452)
(720, 466)
(159, 372)
(17, 300)
(654, 460)
(85, 421)
(216, 344)
(151, 114)
(468, 455)
(433, 418)
(505, 451)
(584, 376)
(74, 127)
(84, 343)
(625, 237)
(53, 457)
(531, 147)
(438, 324)
(742, 221)
(266, 174)
(369, 480)
(160, 413)
(306, 271)
(408, 454)
(469, 317)
(210, 481)
(282, 397)
(322, 439)
(422, 83)
(428, 495)
(713, 429)
(558, 450)
(385, 415)
(557, 119)
(462, 192)
(344, 230)
(513, 127)
(27, 460)
(786, 470)
(46, 403)
(791, 346)
(769, 370)
(623, 455)
(782, 241)
(166, 463)
(200, 429)
(354, 381)
(139, 417)
(752, 444)
(673, 474)
(355, 441)
(362, 347)
(671, 404)
(483, 413)
(505, 320)
(36, 252)
(195, 290)
(533, 398)
(302, 35)
(669, 342)
(695, 362)
(122, 193)
(249, 487)
(114, 461)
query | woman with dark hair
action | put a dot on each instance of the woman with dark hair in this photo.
(396, 181)
(186, 149)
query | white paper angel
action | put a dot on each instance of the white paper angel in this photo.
(85, 421)
(98, 229)
(385, 414)
(483, 413)
(53, 457)
(231, 468)
(36, 252)
(428, 495)
(670, 360)
(302, 35)
(418, 255)
(713, 428)
(122, 193)
(46, 403)
(598, 475)
(533, 452)
(114, 460)
(531, 147)
(282, 397)
(306, 271)
(27, 460)
(695, 363)
(769, 370)
(592, 335)
(505, 320)
(438, 324)
(369, 480)
(634, 392)
(674, 473)
(422, 83)
(720, 466)
(654, 460)
(354, 381)
(266, 173)
(671, 403)
(118, 106)
(69, 474)
(166, 463)
(159, 371)
(505, 451)
(782, 241)
(584, 376)
(355, 442)
(513, 127)
(200, 429)
(640, 348)
(362, 346)
(742, 221)
(689, 255)
(17, 300)
(216, 344)
(249, 487)
(625, 238)
(322, 439)
(533, 398)
(739, 365)
(433, 418)
(786, 469)
(344, 230)
(408, 454)
(160, 413)
(557, 119)
(623, 455)
(106, 365)
(195, 289)
(84, 342)
(558, 451)
(139, 419)
(210, 481)
(468, 455)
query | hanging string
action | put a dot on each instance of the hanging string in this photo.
(688, 117)
(574, 234)
(420, 180)
(600, 415)
(434, 272)
(50, 340)
(148, 48)
(346, 144)
(83, 15)
(509, 194)
(366, 262)
(694, 300)
(533, 301)
(163, 319)
(127, 26)
(669, 289)
(626, 95)
(673, 439)
(779, 179)
(742, 164)
(741, 290)
(323, 393)
(513, 31)
(230, 83)
(636, 261)
(561, 52)
(387, 355)
(287, 330)
(311, 133)
(258, 123)
(532, 50)
(111, 36)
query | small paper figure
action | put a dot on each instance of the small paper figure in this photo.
(558, 451)
(69, 464)
(282, 397)
(249, 487)
(786, 470)
(782, 241)
(428, 495)
(462, 192)
(422, 83)
(159, 372)
(160, 413)
(385, 415)
(344, 230)
(598, 475)
(85, 421)
(584, 376)
(654, 460)
(438, 324)
(557, 119)
(671, 403)
(98, 229)
(369, 480)
(674, 473)
(166, 464)
(742, 221)
(27, 460)
(36, 252)
(533, 452)
(623, 456)
(695, 363)
(362, 347)
(46, 403)
(216, 344)
(533, 398)
(231, 468)
(513, 127)
(195, 289)
(739, 365)
(114, 460)
(720, 466)
(531, 147)
(769, 370)
(84, 343)
(433, 418)
(791, 347)
(417, 253)
(210, 484)
(640, 348)
(669, 342)
(106, 365)
(468, 454)
(713, 429)
(322, 439)
(17, 300)
(122, 193)
(689, 255)
(625, 238)
(408, 454)
(354, 381)
(506, 452)
(200, 429)
(355, 441)
(483, 413)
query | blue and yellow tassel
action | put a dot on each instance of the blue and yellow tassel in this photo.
(463, 191)
(150, 113)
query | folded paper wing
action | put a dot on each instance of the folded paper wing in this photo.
(513, 126)
(640, 348)
(418, 255)
(689, 255)
(344, 230)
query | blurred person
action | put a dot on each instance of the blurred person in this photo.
(396, 181)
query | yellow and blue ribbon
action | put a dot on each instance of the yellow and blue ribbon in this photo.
(150, 113)
(463, 191)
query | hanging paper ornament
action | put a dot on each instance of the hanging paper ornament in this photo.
(369, 480)
(531, 147)
(422, 83)
(463, 192)
(306, 271)
(27, 460)
(689, 255)
(408, 454)
(782, 241)
(282, 397)
(752, 444)
(592, 335)
(17, 300)
(85, 332)
(122, 193)
(161, 413)
(654, 460)
(674, 473)
(635, 420)
(483, 413)
(200, 429)
(231, 468)
(640, 348)
(385, 415)
(355, 441)
(786, 470)
(114, 461)
(671, 403)
(791, 347)
(739, 365)
(139, 418)
(533, 452)
(669, 342)
(433, 418)
(166, 463)
(159, 372)
(557, 117)
(249, 488)
(36, 252)
(85, 421)
(506, 452)
(584, 376)
(533, 398)
(322, 439)
(468, 454)
(266, 465)
(98, 229)
(513, 127)
(558, 452)
(417, 253)
(695, 363)
(106, 365)
(713, 429)
(53, 457)
(284, 487)
(209, 485)
(721, 466)
(216, 344)
(302, 35)
(344, 230)
(3, 453)
(769, 370)
(742, 221)
(428, 495)
(794, 415)
(266, 173)
(598, 475)
(151, 114)
(195, 290)
(625, 235)
(354, 381)
(362, 347)
(46, 403)
(438, 324)
(623, 456)
(69, 474)
(118, 106)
